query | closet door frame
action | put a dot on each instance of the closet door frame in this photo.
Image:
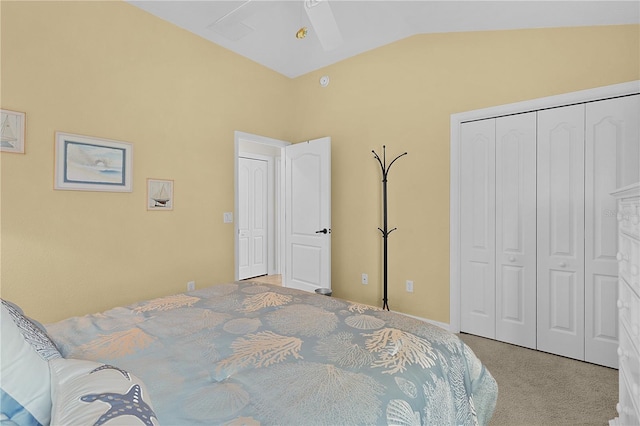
(600, 93)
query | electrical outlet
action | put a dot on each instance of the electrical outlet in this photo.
(409, 286)
(191, 285)
(365, 279)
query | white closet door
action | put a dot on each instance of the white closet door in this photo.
(516, 229)
(252, 218)
(561, 231)
(477, 223)
(611, 162)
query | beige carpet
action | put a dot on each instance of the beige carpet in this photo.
(537, 388)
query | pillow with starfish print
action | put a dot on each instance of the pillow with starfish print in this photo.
(90, 393)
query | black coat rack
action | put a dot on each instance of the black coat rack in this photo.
(384, 230)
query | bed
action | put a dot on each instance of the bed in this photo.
(245, 353)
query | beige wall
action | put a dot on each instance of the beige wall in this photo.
(110, 70)
(113, 71)
(402, 95)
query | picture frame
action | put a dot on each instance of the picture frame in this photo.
(86, 163)
(12, 131)
(159, 194)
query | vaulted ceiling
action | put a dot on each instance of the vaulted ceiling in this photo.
(265, 30)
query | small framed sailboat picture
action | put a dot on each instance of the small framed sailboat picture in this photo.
(159, 194)
(12, 129)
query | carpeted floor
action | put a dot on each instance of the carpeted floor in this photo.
(537, 388)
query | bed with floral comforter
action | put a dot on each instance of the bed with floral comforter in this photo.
(245, 353)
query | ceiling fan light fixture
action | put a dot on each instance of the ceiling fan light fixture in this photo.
(302, 33)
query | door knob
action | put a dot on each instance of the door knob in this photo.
(563, 264)
(323, 231)
(512, 258)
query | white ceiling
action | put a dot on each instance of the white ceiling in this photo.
(264, 30)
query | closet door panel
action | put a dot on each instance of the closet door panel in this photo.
(560, 221)
(612, 158)
(477, 218)
(617, 120)
(516, 229)
(259, 219)
(244, 178)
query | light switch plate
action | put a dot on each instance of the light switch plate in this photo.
(228, 217)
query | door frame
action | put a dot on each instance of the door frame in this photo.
(278, 192)
(590, 95)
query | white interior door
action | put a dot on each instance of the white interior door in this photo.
(516, 229)
(308, 215)
(560, 207)
(257, 147)
(252, 217)
(477, 228)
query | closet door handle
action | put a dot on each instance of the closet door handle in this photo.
(563, 264)
(512, 258)
(323, 231)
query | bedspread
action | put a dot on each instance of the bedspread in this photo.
(245, 353)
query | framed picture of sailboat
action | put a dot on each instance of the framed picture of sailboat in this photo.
(12, 129)
(159, 194)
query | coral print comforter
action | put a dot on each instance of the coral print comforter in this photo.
(244, 353)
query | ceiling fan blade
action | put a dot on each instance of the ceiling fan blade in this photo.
(324, 23)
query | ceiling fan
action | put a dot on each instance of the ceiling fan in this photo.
(324, 23)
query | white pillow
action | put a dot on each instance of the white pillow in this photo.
(25, 384)
(91, 393)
